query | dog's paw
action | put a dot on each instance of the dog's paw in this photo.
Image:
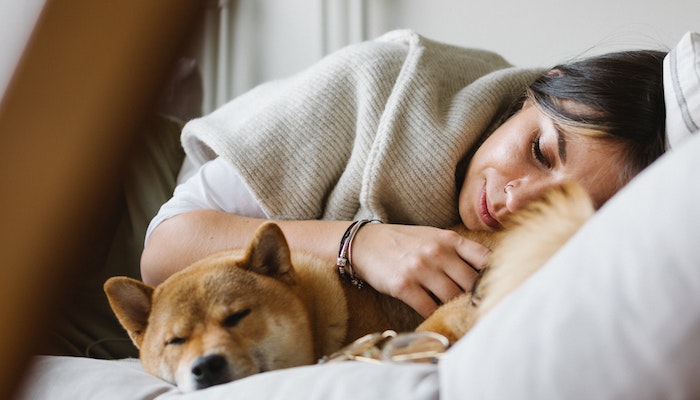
(453, 319)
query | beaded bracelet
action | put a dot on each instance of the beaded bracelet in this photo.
(344, 261)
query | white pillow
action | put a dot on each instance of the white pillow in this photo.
(682, 89)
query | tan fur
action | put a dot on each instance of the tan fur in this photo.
(296, 313)
(263, 308)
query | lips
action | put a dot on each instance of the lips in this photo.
(484, 213)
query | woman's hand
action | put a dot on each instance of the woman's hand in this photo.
(417, 263)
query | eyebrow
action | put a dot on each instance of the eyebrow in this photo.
(561, 145)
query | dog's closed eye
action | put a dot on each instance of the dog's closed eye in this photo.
(176, 341)
(233, 319)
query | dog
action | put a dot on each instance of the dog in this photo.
(242, 312)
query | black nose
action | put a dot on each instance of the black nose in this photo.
(210, 370)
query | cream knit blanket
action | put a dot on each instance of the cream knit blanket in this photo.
(375, 130)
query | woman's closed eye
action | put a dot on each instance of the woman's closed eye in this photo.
(537, 153)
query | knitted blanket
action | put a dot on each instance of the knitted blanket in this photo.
(375, 130)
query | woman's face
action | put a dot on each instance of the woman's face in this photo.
(523, 158)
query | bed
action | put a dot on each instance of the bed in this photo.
(615, 313)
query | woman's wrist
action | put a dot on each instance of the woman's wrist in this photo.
(344, 260)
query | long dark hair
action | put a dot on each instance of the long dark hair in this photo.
(623, 98)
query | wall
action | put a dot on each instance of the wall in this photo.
(269, 39)
(17, 18)
(542, 32)
(275, 38)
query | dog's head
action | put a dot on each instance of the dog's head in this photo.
(225, 317)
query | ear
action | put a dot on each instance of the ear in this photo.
(131, 302)
(555, 72)
(268, 254)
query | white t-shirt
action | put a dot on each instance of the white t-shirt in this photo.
(216, 185)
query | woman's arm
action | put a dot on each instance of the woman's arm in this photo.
(185, 238)
(407, 262)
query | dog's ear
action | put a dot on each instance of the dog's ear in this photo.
(131, 302)
(268, 254)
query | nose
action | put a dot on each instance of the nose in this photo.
(520, 192)
(209, 370)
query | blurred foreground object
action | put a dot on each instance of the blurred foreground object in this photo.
(86, 80)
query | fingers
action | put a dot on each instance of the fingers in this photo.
(421, 302)
(450, 266)
(439, 288)
(418, 264)
(450, 284)
(426, 285)
(425, 300)
(475, 254)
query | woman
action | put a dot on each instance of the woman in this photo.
(597, 122)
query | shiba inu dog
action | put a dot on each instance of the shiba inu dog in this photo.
(241, 312)
(238, 313)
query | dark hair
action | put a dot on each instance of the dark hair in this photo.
(622, 97)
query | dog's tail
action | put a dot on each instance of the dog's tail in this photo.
(531, 237)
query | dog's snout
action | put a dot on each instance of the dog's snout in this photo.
(210, 370)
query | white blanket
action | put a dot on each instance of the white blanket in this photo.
(375, 130)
